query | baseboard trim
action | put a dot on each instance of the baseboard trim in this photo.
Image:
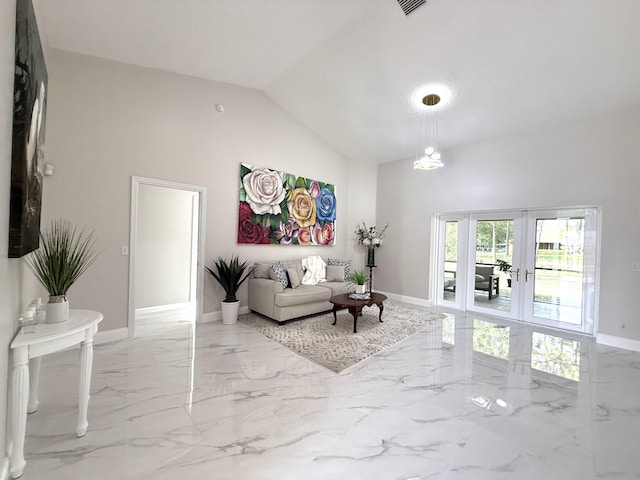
(148, 311)
(420, 302)
(619, 342)
(217, 316)
(110, 335)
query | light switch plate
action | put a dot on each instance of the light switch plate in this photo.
(124, 251)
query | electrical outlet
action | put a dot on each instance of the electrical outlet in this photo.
(124, 251)
(635, 267)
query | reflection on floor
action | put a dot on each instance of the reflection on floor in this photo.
(468, 398)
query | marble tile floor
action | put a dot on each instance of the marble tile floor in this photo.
(468, 398)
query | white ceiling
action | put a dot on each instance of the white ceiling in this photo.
(354, 71)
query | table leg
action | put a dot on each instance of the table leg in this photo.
(86, 363)
(356, 312)
(335, 318)
(34, 380)
(381, 307)
(19, 400)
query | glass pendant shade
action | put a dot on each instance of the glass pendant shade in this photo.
(428, 137)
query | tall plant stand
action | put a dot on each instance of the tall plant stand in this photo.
(371, 267)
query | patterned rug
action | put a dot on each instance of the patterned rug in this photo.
(337, 347)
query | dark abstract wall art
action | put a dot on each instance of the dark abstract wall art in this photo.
(29, 114)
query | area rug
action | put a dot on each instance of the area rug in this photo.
(337, 347)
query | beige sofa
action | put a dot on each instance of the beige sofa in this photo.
(269, 297)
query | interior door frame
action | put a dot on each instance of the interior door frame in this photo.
(201, 194)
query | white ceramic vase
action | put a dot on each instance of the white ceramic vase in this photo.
(230, 312)
(361, 288)
(57, 310)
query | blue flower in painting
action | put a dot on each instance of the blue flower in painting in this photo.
(326, 206)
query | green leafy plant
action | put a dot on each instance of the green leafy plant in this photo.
(229, 275)
(359, 277)
(503, 265)
(64, 255)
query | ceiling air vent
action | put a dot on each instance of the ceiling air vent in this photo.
(409, 6)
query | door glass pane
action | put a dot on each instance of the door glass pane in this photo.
(450, 260)
(494, 254)
(559, 269)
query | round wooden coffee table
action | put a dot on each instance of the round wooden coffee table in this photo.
(341, 302)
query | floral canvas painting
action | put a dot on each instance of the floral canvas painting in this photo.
(282, 209)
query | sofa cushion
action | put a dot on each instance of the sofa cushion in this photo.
(294, 277)
(335, 273)
(302, 295)
(338, 288)
(345, 263)
(261, 270)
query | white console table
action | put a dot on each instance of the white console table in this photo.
(27, 347)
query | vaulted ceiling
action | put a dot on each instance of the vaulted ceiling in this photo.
(354, 71)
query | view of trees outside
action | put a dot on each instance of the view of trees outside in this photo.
(559, 261)
(494, 241)
(555, 355)
(451, 246)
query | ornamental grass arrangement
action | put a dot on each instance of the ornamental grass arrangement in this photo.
(64, 255)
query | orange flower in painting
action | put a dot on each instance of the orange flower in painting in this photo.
(304, 236)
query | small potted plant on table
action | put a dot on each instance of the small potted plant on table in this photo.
(230, 276)
(64, 255)
(360, 279)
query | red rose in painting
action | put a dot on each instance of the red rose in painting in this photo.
(249, 232)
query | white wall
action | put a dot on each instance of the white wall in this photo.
(109, 121)
(163, 246)
(591, 162)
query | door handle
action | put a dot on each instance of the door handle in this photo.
(517, 272)
(527, 273)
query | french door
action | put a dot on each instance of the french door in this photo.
(535, 266)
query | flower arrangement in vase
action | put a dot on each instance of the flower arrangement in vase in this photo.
(370, 238)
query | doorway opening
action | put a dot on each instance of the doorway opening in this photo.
(166, 250)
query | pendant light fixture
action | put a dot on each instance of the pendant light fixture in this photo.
(427, 153)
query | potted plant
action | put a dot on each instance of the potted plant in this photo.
(64, 255)
(505, 266)
(360, 279)
(230, 276)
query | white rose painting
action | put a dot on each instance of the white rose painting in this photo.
(280, 208)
